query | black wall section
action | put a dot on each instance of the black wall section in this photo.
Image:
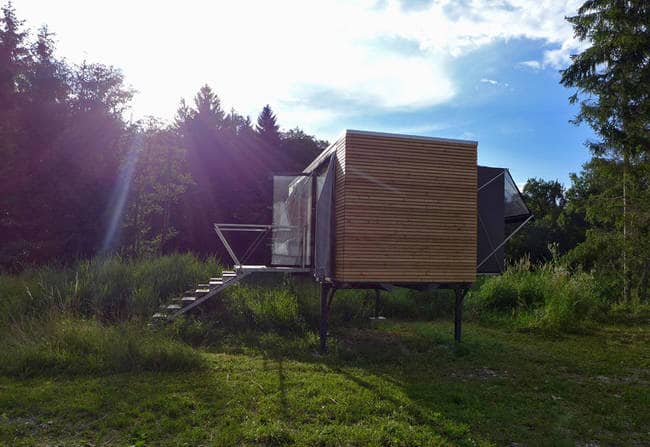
(491, 224)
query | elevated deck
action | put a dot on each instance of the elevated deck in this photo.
(270, 269)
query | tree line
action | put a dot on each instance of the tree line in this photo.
(78, 179)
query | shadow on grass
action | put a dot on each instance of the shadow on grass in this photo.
(507, 386)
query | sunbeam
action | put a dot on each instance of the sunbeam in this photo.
(120, 194)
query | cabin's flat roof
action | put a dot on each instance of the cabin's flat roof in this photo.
(412, 137)
(323, 155)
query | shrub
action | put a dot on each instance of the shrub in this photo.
(548, 297)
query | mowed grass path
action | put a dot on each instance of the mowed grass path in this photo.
(397, 384)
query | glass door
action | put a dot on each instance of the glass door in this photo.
(291, 232)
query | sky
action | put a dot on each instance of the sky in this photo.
(485, 70)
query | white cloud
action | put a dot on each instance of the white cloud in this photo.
(556, 58)
(285, 52)
(535, 65)
(561, 57)
(489, 81)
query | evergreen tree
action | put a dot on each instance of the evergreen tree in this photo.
(208, 109)
(613, 79)
(14, 57)
(268, 128)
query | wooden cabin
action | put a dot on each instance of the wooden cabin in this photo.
(404, 208)
(377, 210)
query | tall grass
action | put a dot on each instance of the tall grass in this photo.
(79, 346)
(548, 297)
(111, 289)
(115, 290)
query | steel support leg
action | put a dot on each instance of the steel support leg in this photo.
(326, 295)
(458, 314)
(377, 292)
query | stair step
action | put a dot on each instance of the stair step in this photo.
(177, 299)
(188, 299)
(224, 274)
(203, 286)
(216, 283)
(159, 315)
(219, 278)
(202, 291)
(174, 307)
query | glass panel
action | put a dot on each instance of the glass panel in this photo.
(291, 240)
(514, 204)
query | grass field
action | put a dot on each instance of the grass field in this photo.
(401, 383)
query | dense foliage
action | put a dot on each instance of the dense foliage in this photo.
(602, 221)
(612, 78)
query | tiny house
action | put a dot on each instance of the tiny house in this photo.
(404, 210)
(377, 211)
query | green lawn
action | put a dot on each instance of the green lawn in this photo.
(399, 384)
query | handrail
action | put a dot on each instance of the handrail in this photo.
(263, 229)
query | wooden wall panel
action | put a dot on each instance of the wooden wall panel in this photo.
(339, 207)
(405, 209)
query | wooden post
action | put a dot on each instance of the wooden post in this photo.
(458, 314)
(326, 292)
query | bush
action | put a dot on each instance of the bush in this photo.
(548, 297)
(77, 346)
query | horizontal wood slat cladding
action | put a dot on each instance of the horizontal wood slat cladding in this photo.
(405, 209)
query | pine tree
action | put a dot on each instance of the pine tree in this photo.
(268, 128)
(613, 80)
(208, 109)
(14, 57)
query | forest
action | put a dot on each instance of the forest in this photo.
(80, 180)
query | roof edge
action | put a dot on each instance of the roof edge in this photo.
(328, 151)
(324, 154)
(415, 137)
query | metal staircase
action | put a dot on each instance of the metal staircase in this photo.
(203, 292)
(213, 287)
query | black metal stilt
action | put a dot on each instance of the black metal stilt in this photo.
(458, 314)
(377, 291)
(326, 292)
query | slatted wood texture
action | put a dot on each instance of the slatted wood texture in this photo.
(405, 209)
